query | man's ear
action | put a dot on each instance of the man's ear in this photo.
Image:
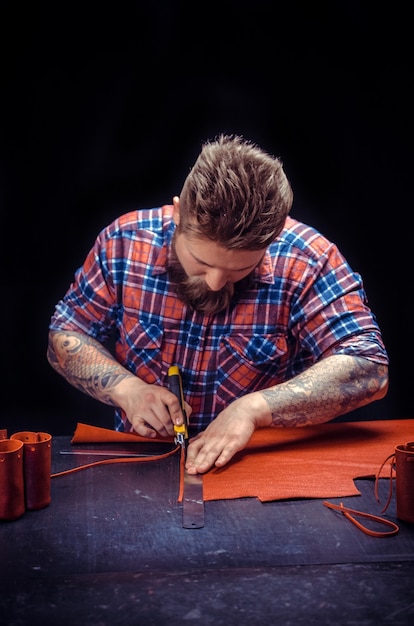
(176, 211)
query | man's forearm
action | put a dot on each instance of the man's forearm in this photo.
(86, 364)
(331, 387)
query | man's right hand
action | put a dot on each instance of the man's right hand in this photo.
(90, 367)
(151, 410)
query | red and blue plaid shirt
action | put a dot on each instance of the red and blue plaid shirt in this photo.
(305, 303)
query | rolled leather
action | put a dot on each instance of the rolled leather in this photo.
(37, 461)
(12, 504)
(404, 470)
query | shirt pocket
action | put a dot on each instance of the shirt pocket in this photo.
(248, 363)
(143, 343)
(141, 332)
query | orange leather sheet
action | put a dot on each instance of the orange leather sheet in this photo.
(312, 462)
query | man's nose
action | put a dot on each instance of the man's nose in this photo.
(216, 279)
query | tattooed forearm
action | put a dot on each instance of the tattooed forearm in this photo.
(330, 388)
(85, 364)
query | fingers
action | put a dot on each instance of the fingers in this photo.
(141, 428)
(154, 412)
(151, 427)
(203, 454)
(227, 434)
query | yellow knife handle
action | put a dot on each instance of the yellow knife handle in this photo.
(176, 386)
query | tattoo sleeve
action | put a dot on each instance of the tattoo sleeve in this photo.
(85, 364)
(331, 387)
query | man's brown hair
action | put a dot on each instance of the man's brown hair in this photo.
(236, 194)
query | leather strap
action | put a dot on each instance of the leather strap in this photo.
(140, 459)
(391, 458)
(349, 514)
(182, 469)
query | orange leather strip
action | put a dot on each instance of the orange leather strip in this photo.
(349, 513)
(181, 483)
(378, 476)
(140, 459)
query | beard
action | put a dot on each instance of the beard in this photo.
(194, 291)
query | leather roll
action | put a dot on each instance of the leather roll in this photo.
(37, 461)
(404, 469)
(12, 504)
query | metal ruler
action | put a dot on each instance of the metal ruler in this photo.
(193, 503)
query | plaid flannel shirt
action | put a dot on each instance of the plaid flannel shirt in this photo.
(305, 303)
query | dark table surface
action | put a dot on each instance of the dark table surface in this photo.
(110, 549)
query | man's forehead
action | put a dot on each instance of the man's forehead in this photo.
(212, 254)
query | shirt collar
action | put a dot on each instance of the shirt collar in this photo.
(264, 272)
(160, 266)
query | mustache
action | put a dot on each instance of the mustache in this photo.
(195, 293)
(205, 300)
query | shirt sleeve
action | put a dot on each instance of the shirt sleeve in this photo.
(367, 344)
(90, 304)
(330, 312)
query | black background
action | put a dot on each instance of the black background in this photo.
(105, 109)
